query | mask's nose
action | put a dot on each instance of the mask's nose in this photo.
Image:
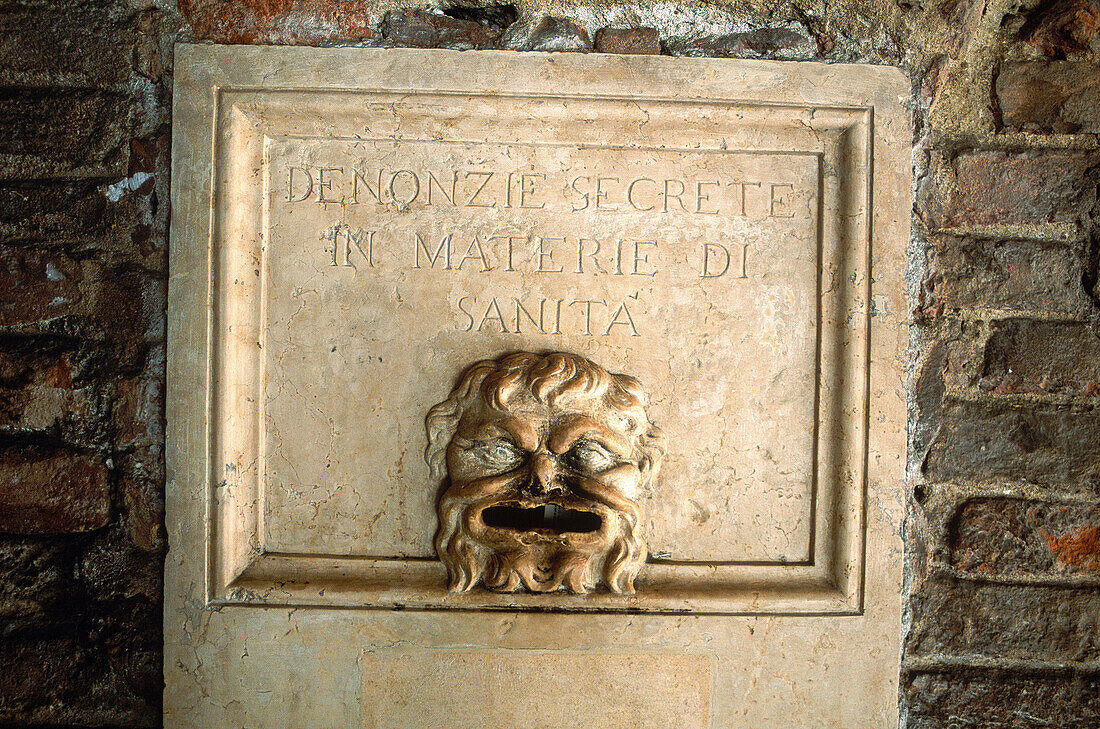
(543, 475)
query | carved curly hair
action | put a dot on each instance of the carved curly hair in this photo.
(553, 378)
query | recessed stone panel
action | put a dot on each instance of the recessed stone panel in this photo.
(678, 266)
(352, 232)
(520, 689)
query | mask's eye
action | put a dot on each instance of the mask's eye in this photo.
(590, 456)
(498, 454)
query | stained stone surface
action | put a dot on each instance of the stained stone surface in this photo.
(555, 268)
(392, 690)
(352, 228)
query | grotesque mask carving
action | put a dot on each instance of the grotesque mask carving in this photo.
(540, 458)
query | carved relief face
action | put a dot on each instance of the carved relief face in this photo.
(545, 459)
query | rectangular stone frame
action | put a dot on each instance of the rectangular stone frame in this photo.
(852, 119)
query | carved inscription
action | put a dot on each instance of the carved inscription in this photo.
(533, 191)
(579, 222)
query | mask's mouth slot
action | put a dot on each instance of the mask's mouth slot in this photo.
(548, 518)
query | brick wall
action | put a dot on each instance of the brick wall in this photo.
(83, 191)
(1004, 526)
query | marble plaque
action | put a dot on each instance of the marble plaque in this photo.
(353, 230)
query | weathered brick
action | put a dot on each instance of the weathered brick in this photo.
(928, 392)
(81, 270)
(130, 330)
(23, 668)
(141, 488)
(50, 491)
(109, 337)
(83, 620)
(1024, 538)
(155, 32)
(964, 358)
(36, 362)
(632, 41)
(1042, 357)
(421, 29)
(985, 441)
(81, 316)
(1001, 699)
(138, 413)
(78, 416)
(1009, 274)
(116, 572)
(37, 285)
(279, 22)
(139, 427)
(34, 575)
(52, 212)
(48, 132)
(974, 619)
(1001, 188)
(101, 674)
(1063, 28)
(65, 42)
(1055, 96)
(64, 354)
(498, 17)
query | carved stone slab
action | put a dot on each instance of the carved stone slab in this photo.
(353, 229)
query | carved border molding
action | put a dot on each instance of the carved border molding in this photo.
(240, 569)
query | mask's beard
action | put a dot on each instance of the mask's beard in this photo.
(541, 563)
(466, 558)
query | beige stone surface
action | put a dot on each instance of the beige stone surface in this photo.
(536, 688)
(352, 228)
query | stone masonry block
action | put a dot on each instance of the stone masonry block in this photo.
(1056, 96)
(1023, 538)
(51, 491)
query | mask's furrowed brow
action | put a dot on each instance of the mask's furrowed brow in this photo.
(522, 434)
(583, 427)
